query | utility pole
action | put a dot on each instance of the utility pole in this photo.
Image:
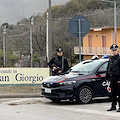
(31, 49)
(47, 45)
(4, 33)
(80, 38)
(49, 49)
(115, 21)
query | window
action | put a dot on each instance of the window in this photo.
(104, 44)
(85, 66)
(90, 43)
(103, 67)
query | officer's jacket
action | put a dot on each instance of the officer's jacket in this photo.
(57, 62)
(113, 66)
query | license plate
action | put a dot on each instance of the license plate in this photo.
(47, 90)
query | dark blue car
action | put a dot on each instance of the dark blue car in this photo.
(83, 82)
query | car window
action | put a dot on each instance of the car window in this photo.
(103, 67)
(85, 67)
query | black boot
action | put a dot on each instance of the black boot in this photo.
(118, 110)
(112, 108)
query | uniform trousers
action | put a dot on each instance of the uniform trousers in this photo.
(115, 90)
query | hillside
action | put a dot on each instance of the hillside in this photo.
(98, 13)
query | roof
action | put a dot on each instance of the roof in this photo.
(103, 28)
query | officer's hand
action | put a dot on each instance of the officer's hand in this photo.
(54, 68)
(59, 71)
(118, 81)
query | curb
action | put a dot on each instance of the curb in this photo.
(20, 96)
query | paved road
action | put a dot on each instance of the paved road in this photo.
(43, 109)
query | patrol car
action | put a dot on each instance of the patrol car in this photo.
(84, 81)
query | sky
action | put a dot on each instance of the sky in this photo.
(12, 11)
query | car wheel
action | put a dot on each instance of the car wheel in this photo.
(84, 95)
(56, 100)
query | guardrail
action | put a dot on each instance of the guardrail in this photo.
(92, 50)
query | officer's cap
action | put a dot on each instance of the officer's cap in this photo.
(59, 50)
(114, 47)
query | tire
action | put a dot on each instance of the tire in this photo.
(56, 100)
(84, 95)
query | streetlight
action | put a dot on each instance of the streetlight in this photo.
(115, 23)
(4, 33)
(31, 49)
(49, 34)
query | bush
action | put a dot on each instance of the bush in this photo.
(10, 60)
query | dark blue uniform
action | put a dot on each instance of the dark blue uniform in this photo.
(113, 75)
(60, 63)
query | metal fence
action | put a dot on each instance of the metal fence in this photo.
(93, 50)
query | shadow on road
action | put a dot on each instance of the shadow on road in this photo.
(101, 100)
(67, 102)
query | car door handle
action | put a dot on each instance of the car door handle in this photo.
(93, 79)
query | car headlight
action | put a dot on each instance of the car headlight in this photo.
(67, 83)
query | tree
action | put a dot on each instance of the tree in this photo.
(5, 24)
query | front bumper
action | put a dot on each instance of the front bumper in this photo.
(63, 92)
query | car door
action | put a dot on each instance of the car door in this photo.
(99, 82)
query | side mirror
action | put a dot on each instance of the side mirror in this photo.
(100, 72)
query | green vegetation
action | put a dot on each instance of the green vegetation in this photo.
(77, 6)
(10, 61)
(36, 58)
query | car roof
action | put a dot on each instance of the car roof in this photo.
(103, 59)
(100, 60)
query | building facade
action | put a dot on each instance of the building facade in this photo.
(98, 42)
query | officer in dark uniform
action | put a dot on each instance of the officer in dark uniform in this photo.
(58, 64)
(113, 75)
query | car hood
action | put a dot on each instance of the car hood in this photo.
(65, 77)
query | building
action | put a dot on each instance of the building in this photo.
(98, 42)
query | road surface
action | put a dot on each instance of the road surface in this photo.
(44, 109)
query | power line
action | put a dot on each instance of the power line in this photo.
(18, 34)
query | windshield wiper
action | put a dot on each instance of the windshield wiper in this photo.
(78, 72)
(75, 71)
(87, 62)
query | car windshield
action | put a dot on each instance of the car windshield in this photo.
(85, 67)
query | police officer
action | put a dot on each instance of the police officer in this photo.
(113, 75)
(58, 64)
